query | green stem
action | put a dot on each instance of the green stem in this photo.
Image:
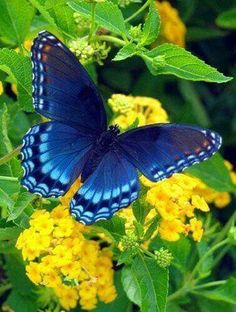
(220, 255)
(92, 21)
(143, 7)
(111, 39)
(210, 284)
(206, 255)
(10, 155)
(7, 178)
(148, 253)
(179, 293)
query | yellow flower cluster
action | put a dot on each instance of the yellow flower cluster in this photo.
(129, 108)
(60, 256)
(175, 200)
(173, 29)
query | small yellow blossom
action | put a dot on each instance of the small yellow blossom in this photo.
(33, 272)
(173, 29)
(196, 229)
(170, 230)
(1, 88)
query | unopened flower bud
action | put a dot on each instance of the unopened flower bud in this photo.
(164, 257)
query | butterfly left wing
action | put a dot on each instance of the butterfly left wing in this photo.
(161, 150)
(53, 155)
(112, 186)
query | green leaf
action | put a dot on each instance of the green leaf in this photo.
(62, 15)
(146, 284)
(15, 20)
(22, 202)
(38, 5)
(19, 68)
(225, 292)
(107, 15)
(21, 303)
(151, 27)
(214, 173)
(140, 207)
(126, 257)
(206, 266)
(227, 19)
(125, 52)
(115, 227)
(151, 229)
(9, 233)
(181, 63)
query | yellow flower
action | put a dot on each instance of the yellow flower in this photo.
(196, 229)
(170, 230)
(72, 270)
(146, 110)
(42, 222)
(68, 296)
(51, 279)
(64, 227)
(173, 29)
(200, 203)
(33, 272)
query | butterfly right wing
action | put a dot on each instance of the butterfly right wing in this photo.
(53, 156)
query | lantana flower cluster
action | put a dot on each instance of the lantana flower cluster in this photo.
(60, 256)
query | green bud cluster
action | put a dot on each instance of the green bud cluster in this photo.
(163, 257)
(135, 32)
(130, 242)
(81, 21)
(89, 52)
(159, 61)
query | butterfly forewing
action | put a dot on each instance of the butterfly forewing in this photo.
(62, 89)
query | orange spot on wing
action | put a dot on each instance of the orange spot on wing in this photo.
(197, 150)
(44, 57)
(205, 143)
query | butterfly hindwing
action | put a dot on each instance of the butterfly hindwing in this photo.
(62, 89)
(53, 155)
(112, 186)
(161, 150)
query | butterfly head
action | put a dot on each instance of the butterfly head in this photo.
(114, 130)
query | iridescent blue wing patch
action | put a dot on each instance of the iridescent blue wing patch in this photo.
(161, 150)
(112, 186)
(62, 89)
(53, 156)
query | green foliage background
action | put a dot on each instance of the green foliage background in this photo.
(181, 82)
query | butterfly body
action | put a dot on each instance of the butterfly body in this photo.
(78, 142)
(105, 142)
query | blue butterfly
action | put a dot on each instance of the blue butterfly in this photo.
(78, 142)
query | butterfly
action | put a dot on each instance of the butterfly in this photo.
(78, 142)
